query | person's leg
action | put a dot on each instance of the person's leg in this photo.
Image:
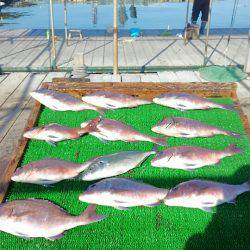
(195, 11)
(204, 17)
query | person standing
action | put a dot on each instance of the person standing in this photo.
(200, 6)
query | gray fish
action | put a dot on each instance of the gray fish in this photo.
(36, 218)
(188, 128)
(123, 193)
(190, 158)
(113, 164)
(184, 101)
(47, 171)
(112, 130)
(53, 133)
(204, 194)
(110, 100)
(61, 101)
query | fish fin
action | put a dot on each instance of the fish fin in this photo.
(228, 107)
(110, 106)
(184, 134)
(52, 143)
(207, 209)
(153, 204)
(233, 201)
(48, 185)
(56, 237)
(190, 164)
(121, 208)
(232, 149)
(160, 141)
(103, 140)
(90, 215)
(233, 134)
(24, 236)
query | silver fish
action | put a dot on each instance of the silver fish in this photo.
(204, 194)
(112, 130)
(110, 100)
(190, 158)
(47, 171)
(113, 164)
(184, 101)
(61, 101)
(189, 128)
(36, 218)
(123, 193)
(53, 133)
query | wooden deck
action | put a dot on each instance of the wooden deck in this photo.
(26, 48)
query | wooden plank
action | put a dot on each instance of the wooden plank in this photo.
(168, 76)
(2, 77)
(108, 53)
(65, 54)
(89, 49)
(139, 52)
(130, 55)
(147, 90)
(7, 171)
(98, 53)
(16, 102)
(153, 77)
(29, 55)
(130, 77)
(10, 84)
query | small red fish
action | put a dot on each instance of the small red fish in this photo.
(61, 101)
(189, 128)
(112, 130)
(53, 133)
(110, 100)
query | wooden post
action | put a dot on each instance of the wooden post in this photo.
(247, 63)
(65, 21)
(52, 34)
(115, 38)
(207, 34)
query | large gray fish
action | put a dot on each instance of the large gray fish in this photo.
(190, 158)
(36, 218)
(61, 101)
(112, 130)
(53, 133)
(189, 128)
(204, 194)
(184, 101)
(47, 171)
(123, 193)
(113, 164)
(110, 100)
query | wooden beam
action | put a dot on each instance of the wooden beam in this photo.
(18, 153)
(115, 37)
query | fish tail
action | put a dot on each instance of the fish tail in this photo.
(245, 186)
(228, 107)
(101, 110)
(160, 141)
(91, 126)
(232, 150)
(90, 215)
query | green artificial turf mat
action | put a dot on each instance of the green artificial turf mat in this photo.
(217, 73)
(143, 228)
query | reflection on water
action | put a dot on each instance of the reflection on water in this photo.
(98, 14)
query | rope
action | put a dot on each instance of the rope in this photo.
(236, 3)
